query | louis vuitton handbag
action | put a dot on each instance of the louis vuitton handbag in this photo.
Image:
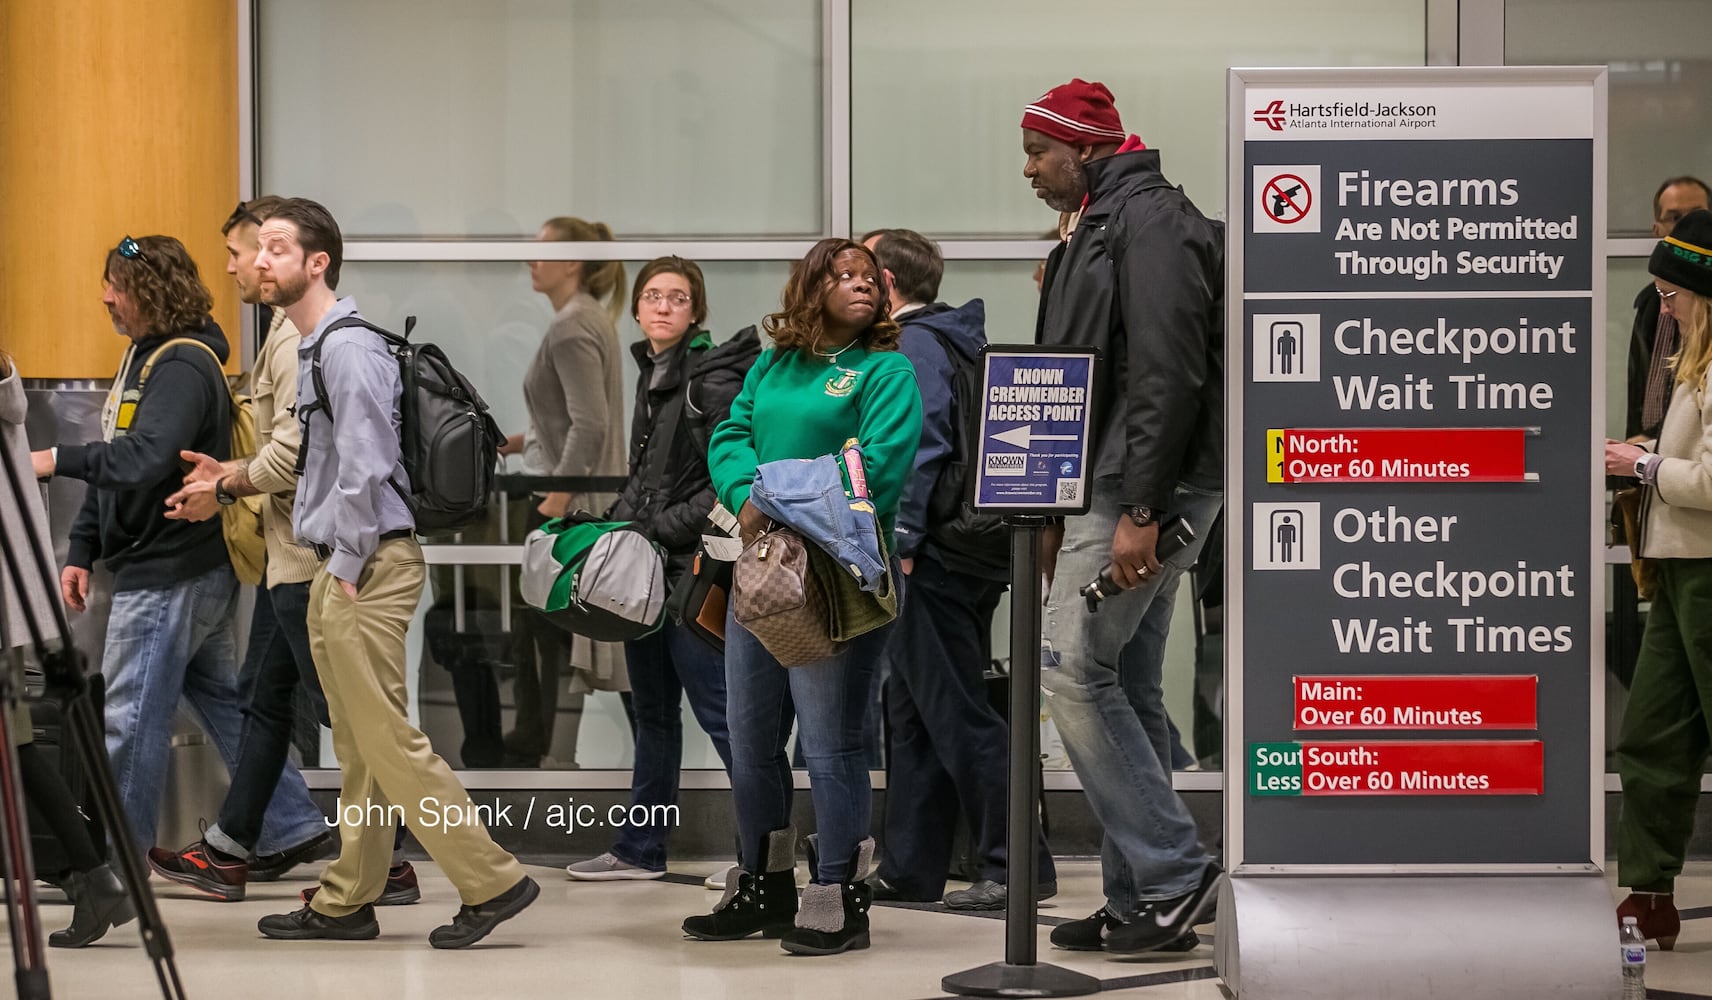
(777, 596)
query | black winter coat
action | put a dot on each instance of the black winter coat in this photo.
(1142, 279)
(184, 407)
(1641, 339)
(669, 492)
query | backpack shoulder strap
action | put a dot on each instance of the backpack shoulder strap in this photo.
(349, 322)
(320, 402)
(154, 355)
(149, 364)
(951, 355)
(696, 417)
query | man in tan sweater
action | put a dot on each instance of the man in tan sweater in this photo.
(278, 659)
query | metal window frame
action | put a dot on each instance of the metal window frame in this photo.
(793, 248)
(248, 165)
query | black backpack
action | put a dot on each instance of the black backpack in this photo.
(980, 544)
(449, 441)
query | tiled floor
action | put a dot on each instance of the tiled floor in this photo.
(622, 941)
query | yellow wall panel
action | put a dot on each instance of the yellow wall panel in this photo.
(116, 117)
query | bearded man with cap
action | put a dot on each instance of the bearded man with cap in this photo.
(1141, 278)
(1667, 723)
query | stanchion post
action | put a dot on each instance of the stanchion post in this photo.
(1019, 975)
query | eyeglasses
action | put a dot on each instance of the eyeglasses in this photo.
(676, 300)
(1664, 294)
(239, 215)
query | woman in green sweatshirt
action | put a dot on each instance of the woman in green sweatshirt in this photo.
(833, 374)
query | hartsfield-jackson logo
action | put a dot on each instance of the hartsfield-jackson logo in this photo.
(1012, 464)
(1278, 116)
(1272, 116)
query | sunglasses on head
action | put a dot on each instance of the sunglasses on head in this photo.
(239, 215)
(130, 250)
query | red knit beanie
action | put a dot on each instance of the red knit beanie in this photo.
(1079, 113)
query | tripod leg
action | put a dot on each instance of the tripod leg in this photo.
(92, 747)
(64, 668)
(24, 919)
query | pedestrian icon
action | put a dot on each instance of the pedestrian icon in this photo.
(1287, 535)
(1286, 347)
(1286, 199)
(1284, 339)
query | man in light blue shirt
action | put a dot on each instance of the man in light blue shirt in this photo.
(351, 508)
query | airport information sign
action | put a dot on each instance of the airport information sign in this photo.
(1415, 307)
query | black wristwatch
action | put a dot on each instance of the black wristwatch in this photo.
(220, 494)
(1140, 516)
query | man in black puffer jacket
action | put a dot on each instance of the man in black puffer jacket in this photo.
(1141, 277)
(684, 390)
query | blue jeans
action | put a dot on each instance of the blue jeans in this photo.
(664, 667)
(1101, 673)
(168, 643)
(831, 699)
(278, 661)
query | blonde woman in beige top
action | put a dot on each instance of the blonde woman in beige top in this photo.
(574, 394)
(1667, 723)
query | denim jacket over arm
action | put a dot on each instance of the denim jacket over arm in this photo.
(808, 495)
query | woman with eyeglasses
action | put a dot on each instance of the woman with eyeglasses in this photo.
(834, 373)
(684, 389)
(1667, 724)
(573, 391)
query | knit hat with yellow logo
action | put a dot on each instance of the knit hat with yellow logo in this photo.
(1685, 256)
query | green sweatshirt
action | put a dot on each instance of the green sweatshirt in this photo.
(796, 404)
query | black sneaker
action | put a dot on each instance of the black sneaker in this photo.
(886, 891)
(1087, 934)
(269, 867)
(1162, 922)
(989, 895)
(216, 875)
(476, 922)
(306, 924)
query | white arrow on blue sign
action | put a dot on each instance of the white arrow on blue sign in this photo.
(1023, 436)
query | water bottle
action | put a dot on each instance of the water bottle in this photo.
(1634, 948)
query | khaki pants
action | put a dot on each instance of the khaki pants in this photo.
(358, 647)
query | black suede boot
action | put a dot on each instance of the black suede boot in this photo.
(99, 903)
(833, 918)
(764, 901)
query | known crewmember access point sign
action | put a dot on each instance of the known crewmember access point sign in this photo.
(1036, 408)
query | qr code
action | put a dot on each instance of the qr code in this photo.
(1069, 491)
